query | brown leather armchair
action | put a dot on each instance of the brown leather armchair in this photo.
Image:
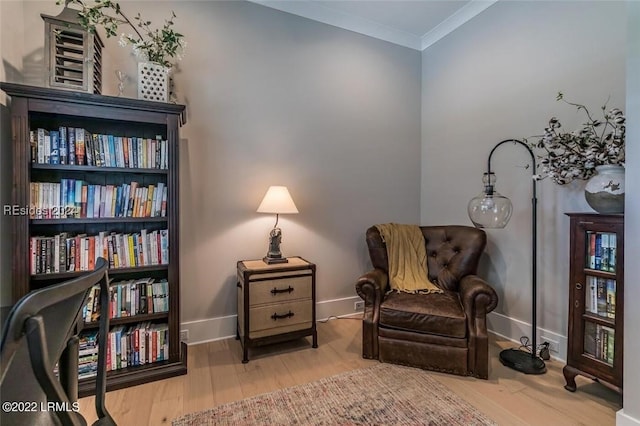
(440, 331)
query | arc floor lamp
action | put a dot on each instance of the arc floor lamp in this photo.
(492, 210)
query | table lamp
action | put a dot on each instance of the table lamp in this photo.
(277, 200)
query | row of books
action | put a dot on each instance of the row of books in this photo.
(129, 298)
(88, 354)
(601, 254)
(78, 146)
(601, 296)
(66, 253)
(599, 342)
(73, 198)
(127, 346)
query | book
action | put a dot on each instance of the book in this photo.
(591, 256)
(63, 145)
(80, 146)
(612, 252)
(597, 261)
(602, 297)
(71, 145)
(611, 298)
(606, 251)
(41, 134)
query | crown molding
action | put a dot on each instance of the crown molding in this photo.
(311, 10)
(314, 11)
(453, 22)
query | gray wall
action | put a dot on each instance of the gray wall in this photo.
(497, 78)
(631, 406)
(273, 98)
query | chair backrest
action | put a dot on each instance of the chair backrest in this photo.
(453, 251)
(40, 333)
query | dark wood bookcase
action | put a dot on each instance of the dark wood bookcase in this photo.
(33, 108)
(596, 299)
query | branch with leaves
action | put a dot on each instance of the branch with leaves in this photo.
(566, 156)
(160, 45)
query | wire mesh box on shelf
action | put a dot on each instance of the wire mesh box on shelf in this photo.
(153, 82)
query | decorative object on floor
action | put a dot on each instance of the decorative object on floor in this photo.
(492, 210)
(382, 394)
(442, 331)
(604, 192)
(277, 201)
(157, 48)
(72, 54)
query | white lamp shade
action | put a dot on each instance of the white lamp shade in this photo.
(277, 200)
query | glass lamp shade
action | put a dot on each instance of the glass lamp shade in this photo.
(490, 209)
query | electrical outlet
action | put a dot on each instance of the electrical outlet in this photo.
(358, 306)
(184, 335)
(554, 346)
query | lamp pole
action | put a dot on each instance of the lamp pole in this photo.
(515, 358)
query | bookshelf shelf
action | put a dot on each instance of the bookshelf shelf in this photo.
(130, 320)
(112, 272)
(132, 376)
(78, 152)
(596, 300)
(97, 220)
(74, 168)
(608, 322)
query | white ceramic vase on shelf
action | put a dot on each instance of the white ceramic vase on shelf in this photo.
(604, 192)
(153, 82)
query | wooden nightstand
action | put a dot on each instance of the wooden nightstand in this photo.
(275, 302)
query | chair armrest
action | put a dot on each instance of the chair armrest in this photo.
(372, 286)
(478, 297)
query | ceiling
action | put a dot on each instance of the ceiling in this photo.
(416, 24)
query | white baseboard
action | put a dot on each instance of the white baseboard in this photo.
(623, 419)
(211, 329)
(511, 329)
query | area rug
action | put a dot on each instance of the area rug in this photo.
(384, 394)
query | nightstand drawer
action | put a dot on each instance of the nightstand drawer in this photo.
(280, 318)
(280, 290)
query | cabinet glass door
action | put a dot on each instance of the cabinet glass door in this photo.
(600, 296)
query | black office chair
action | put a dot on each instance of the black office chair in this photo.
(40, 332)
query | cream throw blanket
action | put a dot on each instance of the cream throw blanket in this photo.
(407, 258)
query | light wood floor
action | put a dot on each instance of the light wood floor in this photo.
(216, 376)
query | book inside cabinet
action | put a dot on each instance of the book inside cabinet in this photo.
(595, 336)
(97, 176)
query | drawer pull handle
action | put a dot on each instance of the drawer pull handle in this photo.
(283, 290)
(276, 317)
(578, 286)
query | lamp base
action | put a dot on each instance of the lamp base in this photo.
(522, 361)
(271, 260)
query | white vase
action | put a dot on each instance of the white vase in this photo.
(153, 82)
(604, 192)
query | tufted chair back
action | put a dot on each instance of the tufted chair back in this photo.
(453, 251)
